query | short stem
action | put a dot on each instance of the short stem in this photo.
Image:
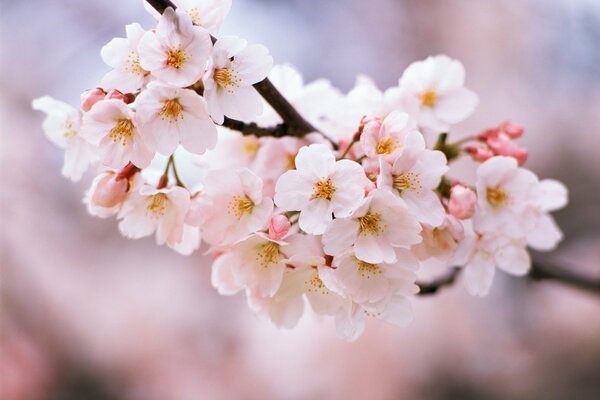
(175, 174)
(345, 153)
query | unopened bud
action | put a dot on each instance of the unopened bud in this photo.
(116, 95)
(511, 129)
(480, 153)
(111, 190)
(279, 226)
(503, 145)
(462, 202)
(91, 97)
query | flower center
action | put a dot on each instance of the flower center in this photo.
(132, 64)
(367, 270)
(123, 130)
(371, 224)
(157, 205)
(194, 14)
(429, 98)
(316, 285)
(171, 109)
(496, 196)
(268, 255)
(387, 146)
(240, 206)
(176, 58)
(250, 146)
(226, 78)
(323, 189)
(407, 181)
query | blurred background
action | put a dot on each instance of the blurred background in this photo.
(87, 314)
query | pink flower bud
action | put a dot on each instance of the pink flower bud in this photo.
(110, 190)
(116, 95)
(503, 145)
(480, 153)
(91, 97)
(279, 226)
(485, 135)
(462, 202)
(511, 129)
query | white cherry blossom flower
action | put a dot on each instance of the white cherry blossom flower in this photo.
(489, 252)
(148, 210)
(176, 52)
(122, 55)
(437, 85)
(545, 234)
(232, 206)
(370, 283)
(169, 115)
(319, 187)
(389, 137)
(208, 14)
(506, 197)
(235, 67)
(381, 224)
(414, 176)
(62, 126)
(111, 125)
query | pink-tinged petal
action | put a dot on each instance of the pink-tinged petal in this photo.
(242, 103)
(152, 54)
(450, 74)
(514, 259)
(197, 136)
(546, 234)
(369, 249)
(222, 276)
(190, 241)
(340, 235)
(115, 52)
(293, 191)
(315, 160)
(431, 166)
(316, 216)
(553, 195)
(350, 325)
(398, 311)
(113, 154)
(260, 215)
(77, 159)
(426, 206)
(495, 170)
(253, 64)
(162, 134)
(141, 155)
(455, 106)
(479, 274)
(136, 224)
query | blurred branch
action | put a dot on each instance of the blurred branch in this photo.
(541, 269)
(293, 123)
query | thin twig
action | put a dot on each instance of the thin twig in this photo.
(293, 123)
(546, 268)
(429, 288)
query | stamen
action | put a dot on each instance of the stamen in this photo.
(429, 99)
(227, 78)
(316, 285)
(367, 270)
(240, 206)
(123, 131)
(371, 224)
(323, 189)
(171, 109)
(194, 14)
(387, 146)
(157, 205)
(268, 255)
(496, 196)
(132, 65)
(177, 58)
(407, 181)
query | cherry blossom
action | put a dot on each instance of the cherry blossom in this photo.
(462, 202)
(414, 176)
(62, 126)
(381, 224)
(169, 115)
(436, 83)
(505, 195)
(111, 125)
(176, 52)
(208, 14)
(232, 206)
(235, 67)
(319, 187)
(389, 137)
(122, 55)
(149, 210)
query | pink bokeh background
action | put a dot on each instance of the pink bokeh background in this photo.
(88, 314)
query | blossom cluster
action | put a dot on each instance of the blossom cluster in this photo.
(344, 219)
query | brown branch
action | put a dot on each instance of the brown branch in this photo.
(546, 268)
(429, 288)
(293, 123)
